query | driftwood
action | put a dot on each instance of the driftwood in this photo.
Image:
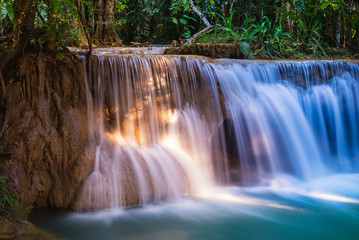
(197, 35)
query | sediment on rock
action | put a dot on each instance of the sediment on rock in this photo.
(209, 50)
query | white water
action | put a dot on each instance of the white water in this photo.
(152, 142)
(164, 127)
(283, 128)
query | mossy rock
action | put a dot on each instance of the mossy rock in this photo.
(10, 228)
(219, 50)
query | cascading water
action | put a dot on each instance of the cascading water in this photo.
(292, 118)
(167, 126)
(151, 124)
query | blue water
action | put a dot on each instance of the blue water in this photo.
(324, 209)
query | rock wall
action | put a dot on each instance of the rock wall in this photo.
(44, 148)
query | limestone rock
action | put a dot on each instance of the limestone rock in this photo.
(45, 144)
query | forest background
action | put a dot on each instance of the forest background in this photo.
(263, 28)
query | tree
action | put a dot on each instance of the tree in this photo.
(105, 33)
(84, 27)
(25, 12)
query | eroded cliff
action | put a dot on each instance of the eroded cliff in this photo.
(45, 151)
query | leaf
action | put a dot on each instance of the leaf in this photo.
(335, 6)
(324, 6)
(175, 21)
(11, 13)
(188, 17)
(183, 21)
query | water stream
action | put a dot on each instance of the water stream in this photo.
(217, 149)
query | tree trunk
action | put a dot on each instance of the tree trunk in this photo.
(83, 27)
(345, 24)
(50, 43)
(105, 33)
(227, 8)
(259, 10)
(338, 37)
(3, 118)
(25, 12)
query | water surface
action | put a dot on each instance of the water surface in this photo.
(324, 209)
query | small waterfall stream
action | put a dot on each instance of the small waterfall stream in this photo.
(168, 126)
(293, 118)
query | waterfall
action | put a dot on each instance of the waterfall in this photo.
(151, 119)
(298, 119)
(168, 126)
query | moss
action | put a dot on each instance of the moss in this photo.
(220, 50)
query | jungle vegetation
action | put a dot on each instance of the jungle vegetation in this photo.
(264, 28)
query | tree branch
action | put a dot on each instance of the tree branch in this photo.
(197, 35)
(3, 105)
(87, 34)
(204, 19)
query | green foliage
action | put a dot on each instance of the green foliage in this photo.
(271, 28)
(7, 13)
(267, 39)
(333, 4)
(121, 7)
(308, 16)
(156, 21)
(7, 199)
(273, 40)
(183, 21)
(63, 19)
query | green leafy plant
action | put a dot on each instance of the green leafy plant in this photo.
(307, 18)
(7, 199)
(333, 4)
(271, 40)
(7, 13)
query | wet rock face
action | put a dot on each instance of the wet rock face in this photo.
(45, 150)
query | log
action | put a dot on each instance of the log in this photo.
(197, 35)
(138, 44)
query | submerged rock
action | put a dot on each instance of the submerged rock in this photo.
(33, 233)
(10, 228)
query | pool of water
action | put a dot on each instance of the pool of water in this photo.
(323, 209)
